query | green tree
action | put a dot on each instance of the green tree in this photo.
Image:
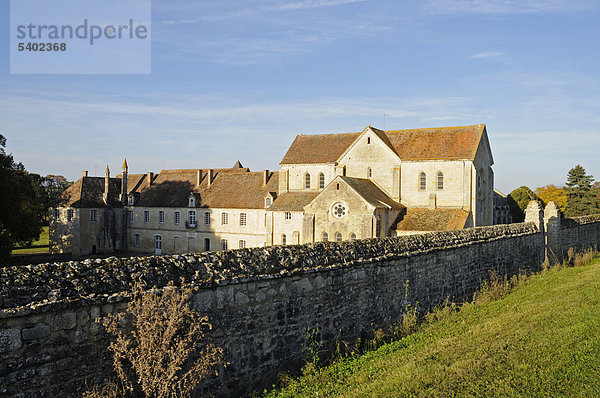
(19, 205)
(49, 189)
(518, 201)
(581, 199)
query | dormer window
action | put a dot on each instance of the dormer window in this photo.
(192, 201)
(267, 202)
(131, 200)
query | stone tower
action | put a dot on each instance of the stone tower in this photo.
(125, 169)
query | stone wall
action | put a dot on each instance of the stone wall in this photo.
(261, 301)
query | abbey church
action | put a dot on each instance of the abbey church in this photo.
(330, 187)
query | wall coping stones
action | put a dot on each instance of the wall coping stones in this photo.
(58, 286)
(566, 223)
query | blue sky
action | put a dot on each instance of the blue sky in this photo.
(235, 79)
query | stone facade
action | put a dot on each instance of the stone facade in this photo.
(262, 300)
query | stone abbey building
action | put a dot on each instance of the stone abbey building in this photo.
(333, 187)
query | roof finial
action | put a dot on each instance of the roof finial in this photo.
(125, 167)
(107, 172)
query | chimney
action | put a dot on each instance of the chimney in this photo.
(85, 173)
(150, 177)
(211, 177)
(265, 177)
(198, 177)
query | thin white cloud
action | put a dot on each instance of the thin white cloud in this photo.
(307, 4)
(487, 54)
(506, 6)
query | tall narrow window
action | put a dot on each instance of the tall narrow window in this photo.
(267, 202)
(146, 216)
(440, 181)
(369, 172)
(369, 140)
(242, 219)
(283, 239)
(224, 218)
(307, 181)
(338, 237)
(206, 244)
(224, 244)
(288, 216)
(192, 218)
(137, 240)
(242, 244)
(177, 217)
(325, 237)
(157, 244)
(93, 216)
(344, 171)
(321, 180)
(207, 218)
(130, 215)
(161, 216)
(422, 181)
(378, 228)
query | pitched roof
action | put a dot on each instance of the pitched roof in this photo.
(230, 188)
(371, 192)
(322, 148)
(88, 191)
(419, 219)
(293, 201)
(459, 142)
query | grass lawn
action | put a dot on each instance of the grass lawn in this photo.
(39, 246)
(541, 340)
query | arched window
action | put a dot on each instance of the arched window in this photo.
(338, 237)
(440, 181)
(352, 236)
(283, 239)
(325, 237)
(422, 181)
(369, 172)
(321, 180)
(307, 181)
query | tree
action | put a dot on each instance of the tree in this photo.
(19, 205)
(49, 189)
(552, 193)
(518, 201)
(581, 199)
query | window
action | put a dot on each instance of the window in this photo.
(325, 237)
(307, 181)
(161, 216)
(137, 240)
(242, 219)
(338, 237)
(288, 216)
(146, 216)
(69, 215)
(130, 215)
(422, 181)
(177, 217)
(242, 244)
(267, 202)
(131, 201)
(283, 239)
(224, 244)
(224, 218)
(157, 242)
(368, 140)
(378, 228)
(339, 210)
(93, 216)
(352, 236)
(440, 181)
(192, 218)
(344, 171)
(207, 218)
(191, 201)
(206, 244)
(369, 172)
(321, 180)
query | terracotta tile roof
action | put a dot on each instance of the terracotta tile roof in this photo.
(459, 142)
(88, 191)
(293, 201)
(371, 192)
(322, 148)
(230, 188)
(418, 219)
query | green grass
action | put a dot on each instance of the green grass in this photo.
(39, 246)
(541, 340)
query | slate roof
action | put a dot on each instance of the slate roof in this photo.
(419, 219)
(460, 142)
(371, 192)
(87, 192)
(293, 201)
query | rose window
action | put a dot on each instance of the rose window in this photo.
(339, 210)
